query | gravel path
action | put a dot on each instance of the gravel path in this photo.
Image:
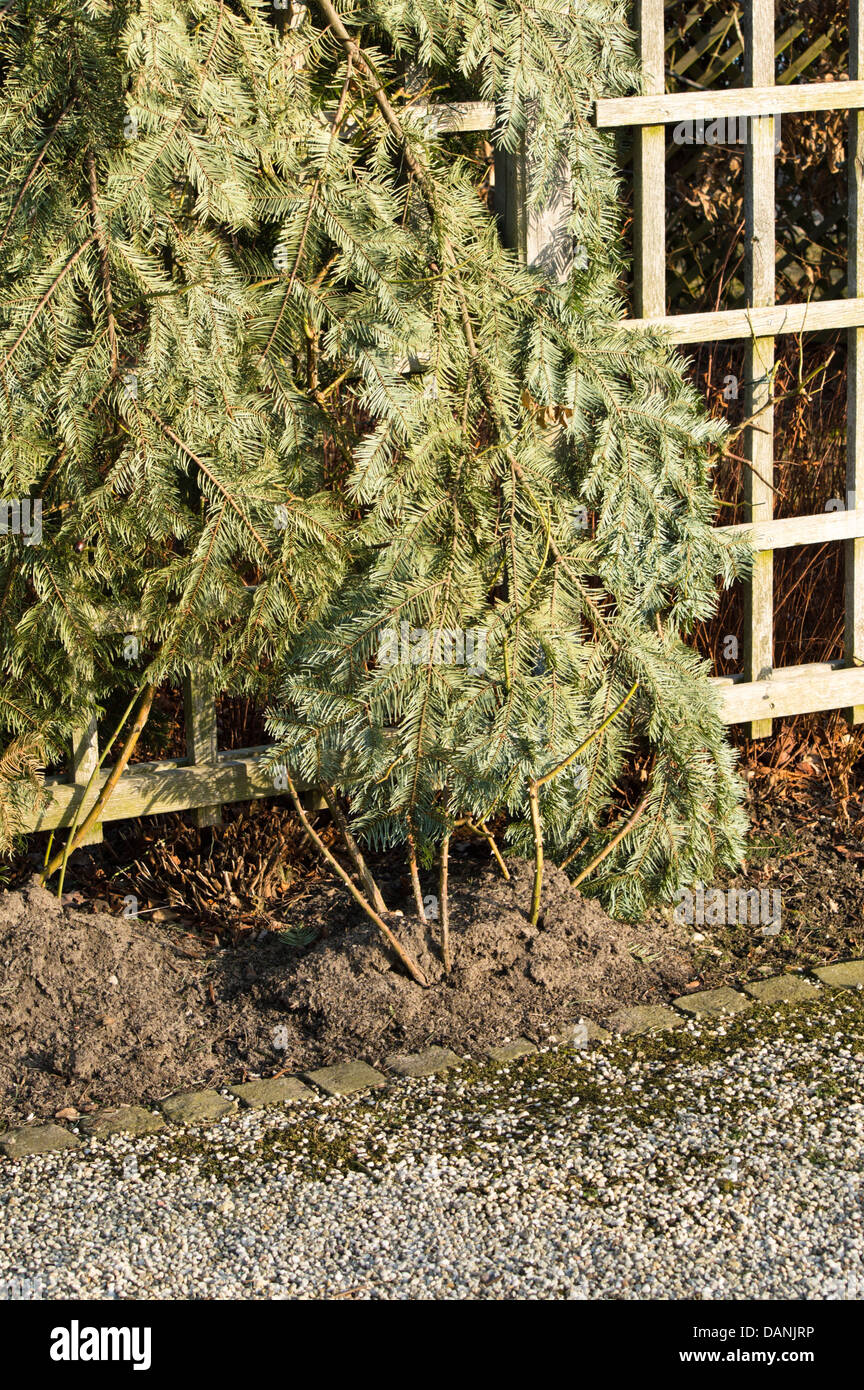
(724, 1161)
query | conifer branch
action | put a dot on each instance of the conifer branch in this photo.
(45, 299)
(33, 171)
(102, 243)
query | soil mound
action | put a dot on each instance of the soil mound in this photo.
(508, 978)
(97, 1010)
(93, 1007)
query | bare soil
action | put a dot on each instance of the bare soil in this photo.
(96, 1009)
(816, 861)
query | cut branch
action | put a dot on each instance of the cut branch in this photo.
(534, 804)
(616, 840)
(95, 814)
(444, 903)
(415, 877)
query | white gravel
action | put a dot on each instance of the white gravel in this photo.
(724, 1161)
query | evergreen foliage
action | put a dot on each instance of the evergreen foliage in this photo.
(134, 150)
(357, 422)
(469, 481)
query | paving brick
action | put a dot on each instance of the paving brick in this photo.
(193, 1107)
(846, 974)
(579, 1033)
(782, 989)
(124, 1119)
(345, 1078)
(646, 1018)
(37, 1139)
(711, 1002)
(426, 1063)
(508, 1052)
(277, 1090)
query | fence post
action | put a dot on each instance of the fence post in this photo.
(759, 359)
(85, 756)
(649, 173)
(199, 705)
(854, 549)
(539, 236)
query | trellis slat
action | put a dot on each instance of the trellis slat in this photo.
(759, 356)
(819, 316)
(756, 99)
(649, 173)
(149, 789)
(837, 525)
(854, 548)
(793, 690)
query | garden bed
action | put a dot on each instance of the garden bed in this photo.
(97, 1009)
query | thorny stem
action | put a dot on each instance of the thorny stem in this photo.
(410, 965)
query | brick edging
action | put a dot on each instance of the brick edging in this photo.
(352, 1076)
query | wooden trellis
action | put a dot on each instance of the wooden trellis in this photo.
(704, 49)
(208, 778)
(759, 693)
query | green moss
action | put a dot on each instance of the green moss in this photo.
(636, 1080)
